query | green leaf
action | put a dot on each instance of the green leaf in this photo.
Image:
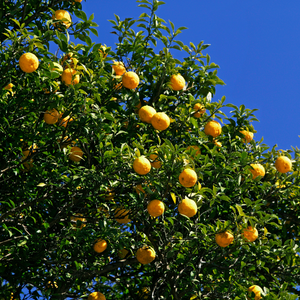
(91, 18)
(144, 5)
(22, 243)
(172, 26)
(80, 15)
(240, 210)
(160, 3)
(179, 43)
(142, 25)
(94, 31)
(193, 46)
(6, 228)
(144, 15)
(17, 22)
(170, 145)
(215, 189)
(176, 47)
(225, 198)
(239, 179)
(173, 197)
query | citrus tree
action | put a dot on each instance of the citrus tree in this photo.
(121, 178)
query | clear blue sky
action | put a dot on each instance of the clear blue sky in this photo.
(255, 43)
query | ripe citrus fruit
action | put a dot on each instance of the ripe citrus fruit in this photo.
(160, 121)
(142, 165)
(52, 116)
(257, 170)
(213, 128)
(65, 121)
(188, 178)
(283, 164)
(177, 82)
(96, 296)
(28, 62)
(60, 15)
(130, 80)
(118, 67)
(224, 239)
(156, 208)
(145, 255)
(248, 135)
(76, 154)
(123, 253)
(199, 110)
(256, 290)
(187, 207)
(251, 234)
(100, 246)
(69, 77)
(156, 162)
(9, 86)
(146, 113)
(122, 216)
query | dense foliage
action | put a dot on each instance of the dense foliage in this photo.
(54, 209)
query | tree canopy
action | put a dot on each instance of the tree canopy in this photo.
(121, 174)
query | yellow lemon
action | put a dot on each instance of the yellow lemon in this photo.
(28, 62)
(69, 77)
(118, 67)
(187, 207)
(224, 239)
(96, 296)
(248, 135)
(146, 113)
(142, 165)
(160, 121)
(76, 154)
(145, 255)
(257, 170)
(100, 246)
(251, 234)
(177, 82)
(130, 80)
(62, 14)
(156, 208)
(283, 164)
(52, 116)
(188, 178)
(213, 128)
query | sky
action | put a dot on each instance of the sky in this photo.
(255, 43)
